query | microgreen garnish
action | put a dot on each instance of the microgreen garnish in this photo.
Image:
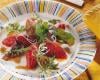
(15, 27)
(45, 62)
(21, 50)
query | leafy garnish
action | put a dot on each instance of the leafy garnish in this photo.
(41, 31)
(65, 36)
(17, 52)
(46, 63)
(20, 50)
(51, 64)
(54, 21)
(15, 27)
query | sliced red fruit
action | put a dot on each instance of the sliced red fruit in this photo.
(51, 49)
(54, 49)
(31, 57)
(9, 41)
(23, 40)
(31, 60)
(62, 26)
(59, 52)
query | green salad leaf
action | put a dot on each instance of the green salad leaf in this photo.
(41, 31)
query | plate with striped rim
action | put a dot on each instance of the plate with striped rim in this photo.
(84, 49)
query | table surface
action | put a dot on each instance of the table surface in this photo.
(92, 72)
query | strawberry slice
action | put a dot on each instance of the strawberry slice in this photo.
(54, 49)
(51, 49)
(31, 58)
(9, 41)
(59, 52)
(23, 40)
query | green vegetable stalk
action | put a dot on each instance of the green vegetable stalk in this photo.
(65, 36)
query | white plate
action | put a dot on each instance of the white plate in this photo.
(83, 50)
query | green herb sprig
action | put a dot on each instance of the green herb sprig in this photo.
(41, 31)
(15, 27)
(17, 52)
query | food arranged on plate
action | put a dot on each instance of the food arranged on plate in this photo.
(42, 42)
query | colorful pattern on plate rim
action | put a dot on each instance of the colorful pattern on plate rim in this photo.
(87, 39)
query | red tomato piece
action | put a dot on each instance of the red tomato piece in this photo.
(62, 26)
(51, 48)
(9, 41)
(55, 50)
(22, 39)
(31, 57)
(59, 52)
(31, 60)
